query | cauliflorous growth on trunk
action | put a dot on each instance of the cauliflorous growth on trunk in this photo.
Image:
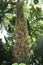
(22, 45)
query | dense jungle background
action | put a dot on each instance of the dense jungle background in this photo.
(21, 32)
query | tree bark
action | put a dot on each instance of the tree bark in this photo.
(22, 45)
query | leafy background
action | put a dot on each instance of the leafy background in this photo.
(34, 17)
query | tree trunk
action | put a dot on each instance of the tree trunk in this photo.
(22, 45)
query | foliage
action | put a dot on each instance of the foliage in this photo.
(15, 64)
(38, 50)
(34, 20)
(5, 55)
(36, 1)
(19, 64)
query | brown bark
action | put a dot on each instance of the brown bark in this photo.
(22, 45)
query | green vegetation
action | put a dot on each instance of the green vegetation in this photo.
(23, 22)
(18, 64)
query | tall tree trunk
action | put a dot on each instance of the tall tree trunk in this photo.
(22, 45)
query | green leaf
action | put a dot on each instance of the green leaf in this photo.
(15, 64)
(36, 1)
(22, 64)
